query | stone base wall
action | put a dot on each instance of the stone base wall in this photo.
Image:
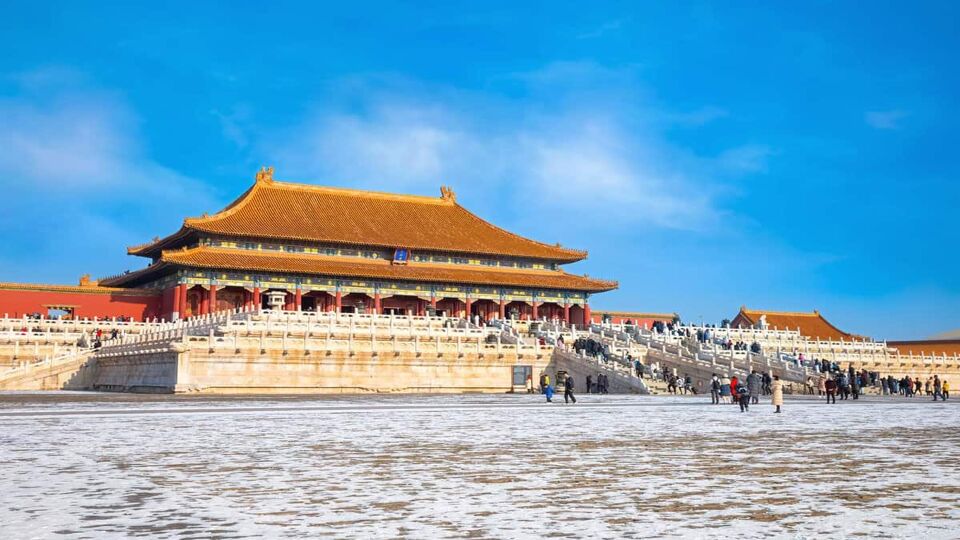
(255, 372)
(153, 372)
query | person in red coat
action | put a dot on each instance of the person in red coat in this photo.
(733, 389)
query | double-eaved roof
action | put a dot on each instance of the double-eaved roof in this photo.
(280, 211)
(306, 213)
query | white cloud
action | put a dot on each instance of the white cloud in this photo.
(884, 119)
(407, 145)
(72, 159)
(566, 146)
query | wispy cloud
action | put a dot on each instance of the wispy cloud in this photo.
(72, 158)
(884, 119)
(747, 159)
(568, 145)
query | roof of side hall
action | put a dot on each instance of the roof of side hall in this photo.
(812, 325)
(306, 213)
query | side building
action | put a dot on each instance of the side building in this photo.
(304, 247)
(812, 325)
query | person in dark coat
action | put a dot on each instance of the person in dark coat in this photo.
(831, 387)
(568, 391)
(590, 382)
(743, 397)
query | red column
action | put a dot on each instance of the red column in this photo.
(183, 300)
(339, 302)
(213, 299)
(566, 313)
(469, 304)
(204, 302)
(377, 306)
(535, 311)
(257, 302)
(433, 304)
(298, 300)
(503, 309)
(176, 303)
(586, 314)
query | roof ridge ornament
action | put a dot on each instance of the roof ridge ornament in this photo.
(265, 175)
(447, 194)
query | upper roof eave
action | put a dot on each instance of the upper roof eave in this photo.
(265, 189)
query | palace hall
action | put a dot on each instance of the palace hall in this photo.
(303, 247)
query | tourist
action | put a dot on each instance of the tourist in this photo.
(743, 397)
(821, 385)
(529, 383)
(945, 389)
(568, 390)
(830, 388)
(724, 388)
(638, 367)
(548, 392)
(855, 386)
(688, 385)
(776, 391)
(715, 390)
(734, 384)
(754, 385)
(766, 383)
(590, 383)
(937, 388)
(843, 385)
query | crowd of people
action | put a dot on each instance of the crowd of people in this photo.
(746, 391)
(592, 348)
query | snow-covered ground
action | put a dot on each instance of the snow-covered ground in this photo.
(114, 466)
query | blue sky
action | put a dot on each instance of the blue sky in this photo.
(785, 156)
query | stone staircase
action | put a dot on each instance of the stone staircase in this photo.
(49, 374)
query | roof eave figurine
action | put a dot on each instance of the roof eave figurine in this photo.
(265, 174)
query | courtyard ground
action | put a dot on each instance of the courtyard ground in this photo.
(508, 466)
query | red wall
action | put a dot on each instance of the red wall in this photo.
(138, 305)
(641, 321)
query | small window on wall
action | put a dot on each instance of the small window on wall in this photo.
(60, 312)
(520, 374)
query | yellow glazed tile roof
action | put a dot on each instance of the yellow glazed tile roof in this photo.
(812, 325)
(300, 212)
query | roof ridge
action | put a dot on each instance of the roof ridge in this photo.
(354, 192)
(230, 209)
(813, 313)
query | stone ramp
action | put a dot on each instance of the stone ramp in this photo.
(621, 382)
